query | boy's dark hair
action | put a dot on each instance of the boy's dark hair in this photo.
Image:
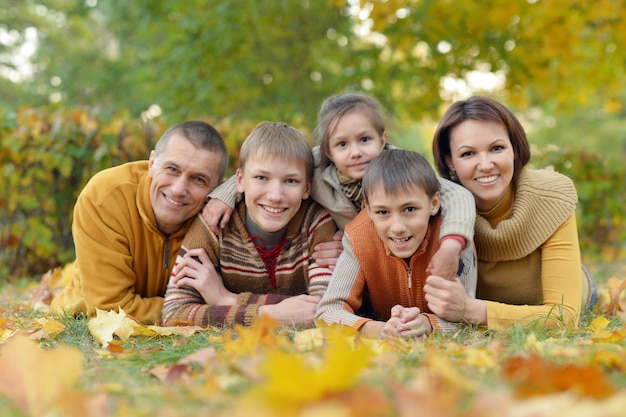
(400, 169)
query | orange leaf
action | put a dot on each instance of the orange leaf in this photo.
(615, 287)
(35, 380)
(532, 375)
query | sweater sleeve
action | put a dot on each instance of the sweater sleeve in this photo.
(227, 192)
(344, 295)
(322, 230)
(561, 285)
(458, 210)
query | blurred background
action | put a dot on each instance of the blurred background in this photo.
(88, 84)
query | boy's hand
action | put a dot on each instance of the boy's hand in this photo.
(196, 270)
(293, 310)
(216, 214)
(327, 253)
(445, 262)
(410, 323)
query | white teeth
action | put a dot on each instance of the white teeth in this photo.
(399, 240)
(485, 180)
(273, 209)
(178, 203)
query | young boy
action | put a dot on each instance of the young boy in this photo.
(378, 283)
(261, 262)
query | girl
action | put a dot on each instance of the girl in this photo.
(350, 133)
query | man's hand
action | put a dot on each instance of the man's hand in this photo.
(197, 271)
(445, 262)
(216, 214)
(327, 253)
(296, 310)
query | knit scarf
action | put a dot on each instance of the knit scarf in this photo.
(543, 201)
(269, 256)
(352, 189)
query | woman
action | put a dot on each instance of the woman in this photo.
(529, 267)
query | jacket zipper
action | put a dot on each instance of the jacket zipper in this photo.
(409, 272)
(166, 253)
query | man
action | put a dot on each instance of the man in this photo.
(130, 220)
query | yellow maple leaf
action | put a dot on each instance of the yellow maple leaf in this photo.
(34, 380)
(291, 380)
(50, 326)
(247, 341)
(108, 324)
(175, 330)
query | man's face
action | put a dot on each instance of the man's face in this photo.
(182, 177)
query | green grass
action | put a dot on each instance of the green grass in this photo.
(466, 367)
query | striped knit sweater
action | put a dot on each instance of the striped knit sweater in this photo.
(244, 272)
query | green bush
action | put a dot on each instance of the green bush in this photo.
(47, 156)
(599, 179)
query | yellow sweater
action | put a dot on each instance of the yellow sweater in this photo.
(529, 258)
(122, 259)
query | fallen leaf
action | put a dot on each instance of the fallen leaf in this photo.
(108, 324)
(532, 375)
(615, 288)
(35, 380)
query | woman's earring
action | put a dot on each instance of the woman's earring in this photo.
(453, 175)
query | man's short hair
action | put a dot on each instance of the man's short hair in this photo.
(201, 135)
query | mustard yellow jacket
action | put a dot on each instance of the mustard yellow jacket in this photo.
(122, 259)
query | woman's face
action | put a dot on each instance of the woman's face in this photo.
(482, 155)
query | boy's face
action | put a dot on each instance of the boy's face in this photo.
(401, 219)
(273, 190)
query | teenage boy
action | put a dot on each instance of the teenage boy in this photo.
(378, 283)
(260, 263)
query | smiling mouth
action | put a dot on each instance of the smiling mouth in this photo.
(485, 180)
(175, 202)
(274, 210)
(400, 241)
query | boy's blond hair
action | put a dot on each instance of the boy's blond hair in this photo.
(277, 140)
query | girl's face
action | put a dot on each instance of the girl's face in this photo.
(483, 158)
(354, 143)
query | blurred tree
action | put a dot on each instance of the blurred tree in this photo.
(278, 59)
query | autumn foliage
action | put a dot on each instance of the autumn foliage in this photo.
(112, 365)
(47, 155)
